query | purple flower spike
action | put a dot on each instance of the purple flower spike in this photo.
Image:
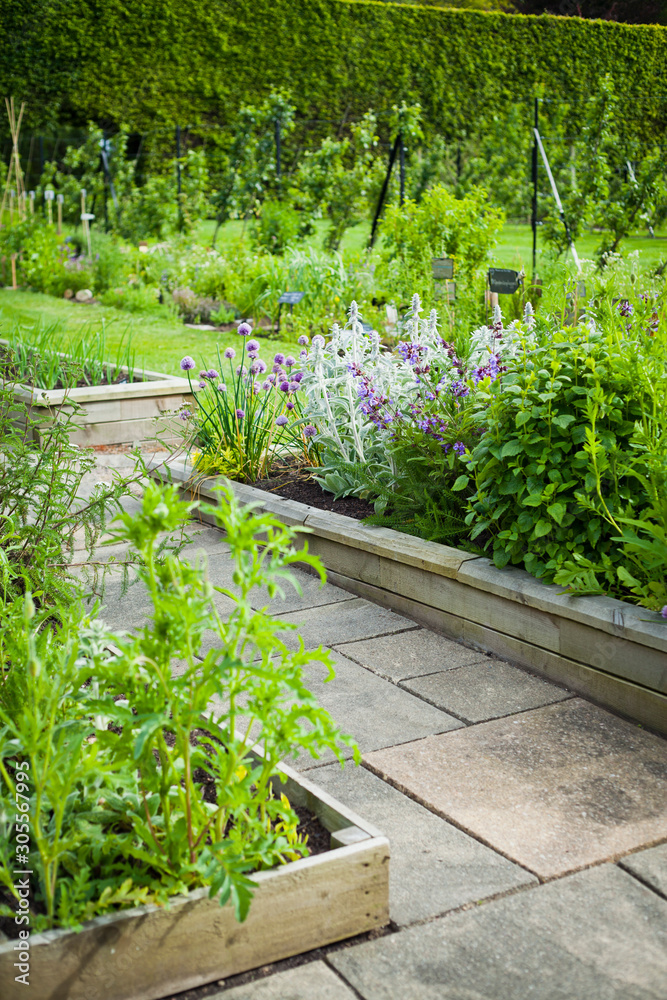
(244, 330)
(281, 420)
(302, 341)
(188, 363)
(230, 353)
(279, 359)
(318, 340)
(304, 355)
(460, 448)
(252, 345)
(240, 414)
(310, 431)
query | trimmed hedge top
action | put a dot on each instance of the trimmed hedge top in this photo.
(157, 62)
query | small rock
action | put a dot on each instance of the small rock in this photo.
(83, 295)
(68, 294)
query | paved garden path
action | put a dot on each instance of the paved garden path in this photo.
(528, 827)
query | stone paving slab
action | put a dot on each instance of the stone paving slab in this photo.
(372, 710)
(596, 935)
(650, 866)
(344, 620)
(314, 981)
(409, 654)
(486, 690)
(554, 789)
(434, 866)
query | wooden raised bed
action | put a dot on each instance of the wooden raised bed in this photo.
(611, 651)
(112, 414)
(150, 952)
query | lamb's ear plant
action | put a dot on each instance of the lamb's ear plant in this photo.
(144, 780)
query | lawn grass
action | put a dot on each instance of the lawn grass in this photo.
(159, 338)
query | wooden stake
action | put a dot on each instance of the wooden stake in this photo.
(14, 160)
(14, 285)
(31, 195)
(60, 214)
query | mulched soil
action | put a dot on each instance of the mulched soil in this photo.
(297, 484)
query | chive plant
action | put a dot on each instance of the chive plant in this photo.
(245, 415)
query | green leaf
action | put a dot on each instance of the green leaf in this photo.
(461, 482)
(563, 420)
(510, 448)
(557, 511)
(542, 528)
(534, 500)
(522, 418)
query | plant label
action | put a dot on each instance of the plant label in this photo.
(290, 298)
(442, 267)
(504, 281)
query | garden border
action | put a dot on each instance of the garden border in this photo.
(113, 414)
(150, 951)
(608, 650)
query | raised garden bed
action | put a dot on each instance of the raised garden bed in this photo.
(150, 952)
(120, 413)
(613, 652)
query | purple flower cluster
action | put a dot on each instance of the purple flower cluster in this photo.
(625, 308)
(412, 353)
(459, 389)
(188, 363)
(490, 370)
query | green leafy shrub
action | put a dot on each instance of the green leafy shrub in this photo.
(279, 226)
(532, 468)
(141, 779)
(440, 225)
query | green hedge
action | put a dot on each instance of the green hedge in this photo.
(157, 62)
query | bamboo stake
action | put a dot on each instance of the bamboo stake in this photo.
(31, 196)
(60, 214)
(15, 159)
(48, 195)
(14, 285)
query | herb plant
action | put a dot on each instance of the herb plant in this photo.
(144, 783)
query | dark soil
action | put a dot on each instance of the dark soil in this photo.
(297, 484)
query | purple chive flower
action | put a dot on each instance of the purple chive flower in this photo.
(240, 414)
(221, 387)
(310, 431)
(259, 366)
(290, 361)
(297, 376)
(244, 330)
(212, 374)
(230, 353)
(188, 363)
(241, 370)
(279, 359)
(303, 340)
(284, 387)
(281, 420)
(252, 345)
(293, 386)
(252, 355)
(663, 613)
(289, 405)
(203, 374)
(266, 385)
(202, 385)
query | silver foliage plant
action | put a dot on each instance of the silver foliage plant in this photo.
(342, 372)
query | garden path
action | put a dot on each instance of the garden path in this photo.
(528, 827)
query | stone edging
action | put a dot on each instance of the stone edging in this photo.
(608, 650)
